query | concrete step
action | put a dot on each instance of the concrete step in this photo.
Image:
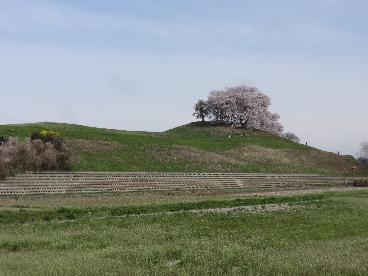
(94, 182)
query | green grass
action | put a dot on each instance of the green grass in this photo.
(327, 237)
(190, 135)
(189, 148)
(195, 135)
(24, 214)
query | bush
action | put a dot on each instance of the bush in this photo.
(291, 136)
(45, 135)
(48, 135)
(35, 136)
(51, 149)
(8, 158)
(42, 152)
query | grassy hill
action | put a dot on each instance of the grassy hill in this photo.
(194, 147)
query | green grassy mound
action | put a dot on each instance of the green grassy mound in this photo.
(194, 147)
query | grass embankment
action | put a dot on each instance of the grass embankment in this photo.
(328, 236)
(190, 148)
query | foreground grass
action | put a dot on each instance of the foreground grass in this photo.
(27, 215)
(328, 236)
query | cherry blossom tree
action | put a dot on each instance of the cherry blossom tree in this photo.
(243, 107)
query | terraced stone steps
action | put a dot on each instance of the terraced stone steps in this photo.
(95, 182)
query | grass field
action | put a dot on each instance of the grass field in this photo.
(316, 234)
(190, 148)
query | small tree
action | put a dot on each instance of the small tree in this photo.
(200, 110)
(363, 153)
(364, 149)
(291, 136)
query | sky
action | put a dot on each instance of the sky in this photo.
(141, 65)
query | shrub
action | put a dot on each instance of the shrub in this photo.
(291, 136)
(51, 149)
(45, 156)
(35, 136)
(8, 158)
(44, 135)
(42, 152)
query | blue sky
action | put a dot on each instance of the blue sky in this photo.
(141, 65)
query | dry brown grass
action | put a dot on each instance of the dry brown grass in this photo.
(313, 159)
(93, 146)
(246, 158)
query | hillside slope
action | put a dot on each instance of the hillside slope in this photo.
(191, 148)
